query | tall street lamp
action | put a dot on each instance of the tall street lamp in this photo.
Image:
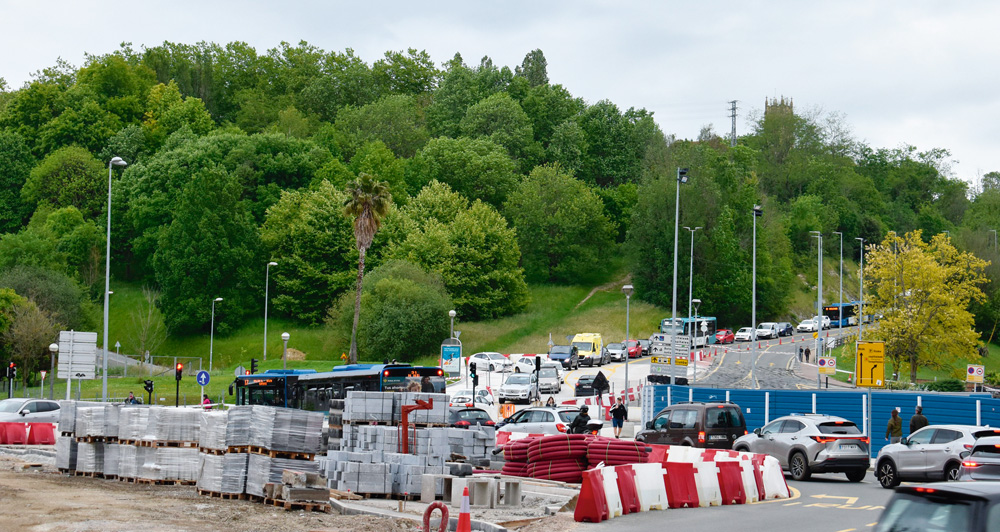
(116, 161)
(840, 311)
(627, 290)
(819, 302)
(53, 348)
(696, 303)
(211, 337)
(284, 352)
(267, 277)
(861, 290)
(682, 177)
(691, 270)
(758, 211)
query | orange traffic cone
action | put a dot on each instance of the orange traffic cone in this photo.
(464, 519)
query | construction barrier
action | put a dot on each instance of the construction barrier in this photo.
(20, 433)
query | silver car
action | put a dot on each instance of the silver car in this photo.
(934, 452)
(540, 420)
(548, 380)
(29, 411)
(984, 462)
(519, 387)
(811, 443)
(616, 352)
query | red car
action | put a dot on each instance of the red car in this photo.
(634, 348)
(724, 336)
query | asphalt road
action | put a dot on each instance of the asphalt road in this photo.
(827, 503)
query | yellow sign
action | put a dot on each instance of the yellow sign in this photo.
(975, 374)
(681, 361)
(827, 366)
(815, 335)
(869, 366)
(660, 360)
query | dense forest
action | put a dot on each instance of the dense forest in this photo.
(499, 179)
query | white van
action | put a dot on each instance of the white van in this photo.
(768, 329)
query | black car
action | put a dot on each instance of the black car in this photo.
(951, 506)
(591, 385)
(645, 344)
(709, 425)
(785, 329)
(465, 417)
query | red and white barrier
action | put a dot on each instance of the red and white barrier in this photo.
(19, 433)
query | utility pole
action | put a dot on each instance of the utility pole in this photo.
(732, 114)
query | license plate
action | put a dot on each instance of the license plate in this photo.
(716, 436)
(849, 447)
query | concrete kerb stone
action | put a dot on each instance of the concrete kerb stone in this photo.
(346, 508)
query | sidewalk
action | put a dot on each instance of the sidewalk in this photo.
(809, 371)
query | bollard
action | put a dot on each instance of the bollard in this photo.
(444, 516)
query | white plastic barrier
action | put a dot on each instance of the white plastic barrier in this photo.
(774, 480)
(611, 492)
(649, 486)
(682, 453)
(746, 472)
(706, 479)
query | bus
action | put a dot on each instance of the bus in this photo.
(842, 314)
(691, 327)
(311, 390)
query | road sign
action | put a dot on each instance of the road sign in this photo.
(827, 366)
(975, 374)
(77, 355)
(451, 355)
(869, 367)
(240, 370)
(203, 378)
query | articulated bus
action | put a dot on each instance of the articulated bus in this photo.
(312, 390)
(843, 314)
(691, 327)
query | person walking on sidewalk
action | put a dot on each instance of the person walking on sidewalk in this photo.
(619, 413)
(894, 429)
(807, 354)
(918, 421)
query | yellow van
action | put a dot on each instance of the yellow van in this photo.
(590, 346)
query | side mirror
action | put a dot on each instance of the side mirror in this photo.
(757, 431)
(905, 441)
(649, 425)
(23, 412)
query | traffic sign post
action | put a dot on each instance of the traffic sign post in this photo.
(827, 365)
(869, 366)
(203, 378)
(975, 374)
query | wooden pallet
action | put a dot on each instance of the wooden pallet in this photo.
(91, 474)
(238, 449)
(300, 505)
(66, 434)
(220, 495)
(65, 471)
(156, 482)
(344, 495)
(130, 442)
(254, 449)
(206, 450)
(90, 439)
(253, 498)
(175, 444)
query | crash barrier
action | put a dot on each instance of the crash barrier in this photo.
(678, 477)
(763, 406)
(18, 433)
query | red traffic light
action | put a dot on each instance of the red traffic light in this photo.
(180, 366)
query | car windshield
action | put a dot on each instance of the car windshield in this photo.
(517, 379)
(11, 405)
(497, 356)
(583, 346)
(806, 322)
(614, 346)
(567, 416)
(472, 414)
(461, 399)
(745, 330)
(560, 350)
(982, 451)
(632, 343)
(934, 512)
(586, 379)
(549, 373)
(838, 427)
(723, 417)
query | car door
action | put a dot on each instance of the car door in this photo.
(543, 422)
(943, 447)
(764, 443)
(518, 422)
(660, 425)
(786, 439)
(910, 459)
(683, 425)
(48, 412)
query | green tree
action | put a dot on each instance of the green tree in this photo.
(368, 202)
(534, 68)
(28, 338)
(475, 168)
(376, 160)
(500, 119)
(55, 293)
(398, 121)
(15, 167)
(457, 92)
(410, 73)
(923, 291)
(562, 230)
(167, 111)
(69, 176)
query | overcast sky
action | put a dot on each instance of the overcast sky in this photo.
(916, 72)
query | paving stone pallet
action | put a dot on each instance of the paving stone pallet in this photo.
(296, 505)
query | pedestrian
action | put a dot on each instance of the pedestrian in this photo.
(807, 354)
(551, 401)
(206, 401)
(918, 421)
(619, 413)
(894, 429)
(131, 399)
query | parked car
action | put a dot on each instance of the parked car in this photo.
(465, 417)
(934, 452)
(616, 352)
(29, 411)
(806, 326)
(483, 394)
(940, 506)
(811, 443)
(768, 329)
(540, 420)
(724, 336)
(526, 363)
(567, 355)
(548, 380)
(745, 334)
(519, 387)
(785, 329)
(645, 344)
(984, 461)
(490, 362)
(589, 385)
(710, 425)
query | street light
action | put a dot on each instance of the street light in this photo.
(627, 290)
(452, 314)
(819, 302)
(861, 291)
(696, 303)
(284, 353)
(211, 337)
(840, 312)
(691, 270)
(682, 177)
(116, 161)
(758, 211)
(267, 284)
(53, 348)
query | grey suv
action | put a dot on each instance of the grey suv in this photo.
(811, 443)
(934, 452)
(29, 411)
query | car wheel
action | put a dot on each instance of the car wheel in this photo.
(887, 475)
(742, 449)
(857, 475)
(798, 466)
(517, 370)
(951, 472)
(492, 367)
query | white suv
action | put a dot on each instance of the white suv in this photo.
(490, 362)
(745, 334)
(806, 326)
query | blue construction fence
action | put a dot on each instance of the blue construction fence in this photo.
(762, 406)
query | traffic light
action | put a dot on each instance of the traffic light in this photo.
(148, 386)
(13, 371)
(253, 366)
(474, 375)
(179, 371)
(538, 364)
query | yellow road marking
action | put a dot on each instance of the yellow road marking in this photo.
(847, 530)
(848, 500)
(795, 494)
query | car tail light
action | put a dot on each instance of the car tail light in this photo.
(701, 436)
(925, 490)
(866, 439)
(968, 446)
(462, 424)
(489, 422)
(440, 373)
(822, 439)
(560, 427)
(969, 465)
(745, 432)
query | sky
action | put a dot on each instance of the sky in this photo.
(895, 73)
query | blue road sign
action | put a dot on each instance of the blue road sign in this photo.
(203, 378)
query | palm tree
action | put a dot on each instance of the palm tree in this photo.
(368, 202)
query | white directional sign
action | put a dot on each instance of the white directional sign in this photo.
(77, 355)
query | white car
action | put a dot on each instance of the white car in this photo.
(768, 329)
(745, 334)
(482, 394)
(540, 420)
(490, 361)
(826, 322)
(806, 326)
(526, 363)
